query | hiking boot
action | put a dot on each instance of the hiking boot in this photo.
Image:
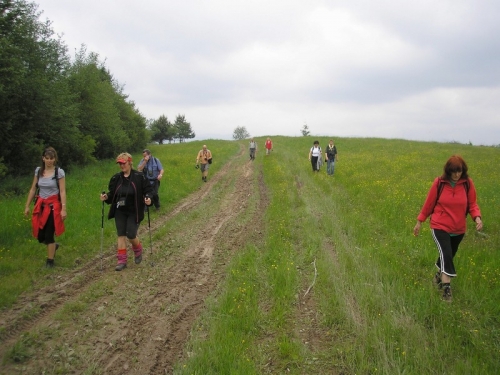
(436, 280)
(447, 293)
(138, 259)
(49, 263)
(120, 266)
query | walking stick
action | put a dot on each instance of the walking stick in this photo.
(150, 241)
(102, 226)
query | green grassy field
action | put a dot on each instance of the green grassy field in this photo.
(350, 236)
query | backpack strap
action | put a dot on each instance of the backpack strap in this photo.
(56, 176)
(467, 187)
(440, 187)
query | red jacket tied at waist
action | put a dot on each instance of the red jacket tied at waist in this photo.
(41, 213)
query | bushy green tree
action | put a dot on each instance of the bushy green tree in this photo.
(162, 130)
(184, 130)
(240, 132)
(46, 99)
(36, 105)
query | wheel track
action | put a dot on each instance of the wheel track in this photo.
(167, 336)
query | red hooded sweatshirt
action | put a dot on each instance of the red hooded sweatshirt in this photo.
(448, 213)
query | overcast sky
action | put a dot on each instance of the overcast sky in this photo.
(420, 70)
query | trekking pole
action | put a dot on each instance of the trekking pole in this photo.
(150, 241)
(102, 227)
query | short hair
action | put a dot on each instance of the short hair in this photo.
(455, 164)
(316, 142)
(147, 151)
(124, 157)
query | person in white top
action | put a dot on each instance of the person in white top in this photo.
(315, 156)
(253, 149)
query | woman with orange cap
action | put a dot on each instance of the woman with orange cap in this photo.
(128, 192)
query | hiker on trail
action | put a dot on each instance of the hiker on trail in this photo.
(451, 197)
(128, 191)
(153, 170)
(269, 146)
(315, 156)
(49, 212)
(253, 149)
(203, 161)
(331, 157)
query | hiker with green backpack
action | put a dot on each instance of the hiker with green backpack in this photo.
(49, 192)
(451, 197)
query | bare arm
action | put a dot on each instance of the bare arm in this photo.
(62, 193)
(31, 195)
(142, 164)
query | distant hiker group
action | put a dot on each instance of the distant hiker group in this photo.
(316, 157)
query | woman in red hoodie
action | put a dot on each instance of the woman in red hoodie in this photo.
(49, 191)
(451, 197)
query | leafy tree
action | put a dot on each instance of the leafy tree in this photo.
(104, 113)
(36, 105)
(305, 130)
(162, 130)
(183, 127)
(79, 108)
(240, 132)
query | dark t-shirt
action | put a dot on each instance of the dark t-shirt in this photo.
(126, 194)
(331, 152)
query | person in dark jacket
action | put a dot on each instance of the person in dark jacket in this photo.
(451, 197)
(331, 157)
(129, 191)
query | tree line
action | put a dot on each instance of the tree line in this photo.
(163, 130)
(74, 105)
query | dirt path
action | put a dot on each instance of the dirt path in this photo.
(138, 321)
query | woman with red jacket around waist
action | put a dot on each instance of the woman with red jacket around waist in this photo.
(128, 192)
(451, 197)
(49, 212)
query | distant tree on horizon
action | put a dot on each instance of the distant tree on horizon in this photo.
(240, 132)
(183, 127)
(162, 130)
(305, 130)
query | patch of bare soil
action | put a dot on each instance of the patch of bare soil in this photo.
(138, 321)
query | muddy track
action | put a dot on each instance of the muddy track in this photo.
(138, 321)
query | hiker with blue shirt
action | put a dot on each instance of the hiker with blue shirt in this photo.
(153, 171)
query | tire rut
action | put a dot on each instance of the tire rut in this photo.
(141, 326)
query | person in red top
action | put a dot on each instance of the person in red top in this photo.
(269, 146)
(451, 197)
(49, 191)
